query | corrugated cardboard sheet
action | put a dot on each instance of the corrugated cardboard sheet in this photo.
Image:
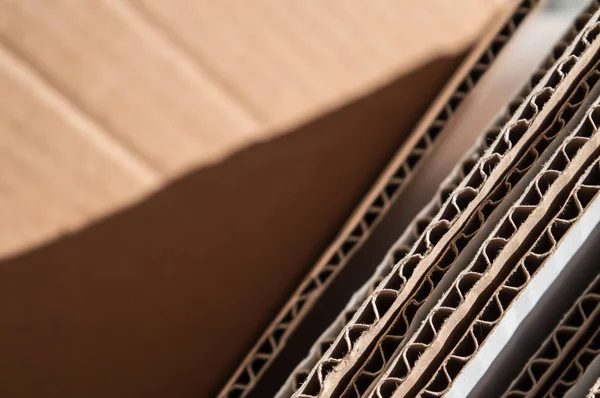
(108, 104)
(509, 156)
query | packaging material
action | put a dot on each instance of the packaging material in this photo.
(532, 316)
(97, 68)
(385, 191)
(411, 368)
(537, 157)
(402, 246)
(374, 364)
(568, 350)
(207, 260)
(480, 181)
(548, 162)
(516, 297)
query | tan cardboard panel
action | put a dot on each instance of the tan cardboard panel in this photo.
(188, 230)
(291, 60)
(545, 265)
(124, 67)
(409, 371)
(543, 370)
(375, 205)
(117, 69)
(364, 328)
(47, 148)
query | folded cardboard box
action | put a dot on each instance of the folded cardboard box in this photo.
(308, 200)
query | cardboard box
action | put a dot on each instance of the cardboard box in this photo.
(194, 196)
(355, 337)
(157, 157)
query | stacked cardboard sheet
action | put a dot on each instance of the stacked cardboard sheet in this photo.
(169, 172)
(478, 280)
(468, 268)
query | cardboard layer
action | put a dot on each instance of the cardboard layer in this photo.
(366, 328)
(481, 260)
(516, 297)
(549, 307)
(562, 348)
(411, 368)
(373, 207)
(526, 169)
(402, 246)
(569, 378)
(489, 213)
(156, 90)
(186, 231)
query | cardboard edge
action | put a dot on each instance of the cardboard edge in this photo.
(413, 231)
(408, 367)
(374, 205)
(556, 346)
(512, 310)
(361, 328)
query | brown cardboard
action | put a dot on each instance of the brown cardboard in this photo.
(153, 250)
(158, 90)
(99, 293)
(533, 314)
(72, 67)
(377, 202)
(595, 390)
(390, 341)
(346, 351)
(466, 245)
(542, 373)
(471, 287)
(413, 231)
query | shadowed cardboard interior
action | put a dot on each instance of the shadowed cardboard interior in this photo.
(176, 288)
